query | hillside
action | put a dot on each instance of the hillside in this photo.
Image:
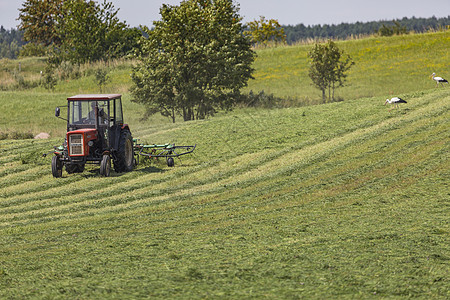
(343, 200)
(383, 66)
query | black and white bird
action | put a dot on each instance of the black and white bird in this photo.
(438, 80)
(395, 101)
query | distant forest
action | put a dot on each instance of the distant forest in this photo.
(11, 40)
(345, 30)
(10, 43)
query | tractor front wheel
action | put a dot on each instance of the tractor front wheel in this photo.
(105, 166)
(56, 167)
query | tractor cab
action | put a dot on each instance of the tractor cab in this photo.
(94, 111)
(96, 133)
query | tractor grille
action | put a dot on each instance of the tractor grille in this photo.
(75, 139)
(76, 144)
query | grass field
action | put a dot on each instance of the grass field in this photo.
(383, 66)
(344, 200)
(340, 200)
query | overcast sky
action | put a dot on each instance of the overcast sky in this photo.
(287, 12)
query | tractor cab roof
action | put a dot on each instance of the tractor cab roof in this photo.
(94, 97)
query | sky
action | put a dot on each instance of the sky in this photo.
(287, 12)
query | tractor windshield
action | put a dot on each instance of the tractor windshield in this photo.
(84, 112)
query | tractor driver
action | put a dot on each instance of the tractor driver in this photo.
(102, 117)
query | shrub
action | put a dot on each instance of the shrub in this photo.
(260, 99)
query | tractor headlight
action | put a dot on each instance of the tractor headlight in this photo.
(91, 143)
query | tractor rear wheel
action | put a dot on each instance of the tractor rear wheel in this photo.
(56, 167)
(105, 165)
(124, 158)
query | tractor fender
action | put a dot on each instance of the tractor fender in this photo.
(116, 135)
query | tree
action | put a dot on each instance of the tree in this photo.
(263, 31)
(194, 61)
(38, 20)
(89, 32)
(78, 31)
(328, 67)
(48, 80)
(396, 29)
(101, 78)
(10, 43)
(33, 49)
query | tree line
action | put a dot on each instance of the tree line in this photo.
(12, 41)
(295, 33)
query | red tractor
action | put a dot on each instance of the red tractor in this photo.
(96, 134)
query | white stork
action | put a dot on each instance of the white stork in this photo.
(438, 80)
(395, 101)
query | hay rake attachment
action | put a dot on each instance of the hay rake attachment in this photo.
(167, 151)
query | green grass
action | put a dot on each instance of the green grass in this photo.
(346, 200)
(383, 66)
(28, 68)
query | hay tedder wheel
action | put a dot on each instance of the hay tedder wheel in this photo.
(56, 167)
(170, 162)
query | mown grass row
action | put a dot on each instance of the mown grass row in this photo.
(269, 165)
(47, 194)
(344, 200)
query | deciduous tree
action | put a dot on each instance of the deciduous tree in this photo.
(38, 20)
(328, 67)
(264, 31)
(194, 61)
(89, 32)
(396, 29)
(78, 31)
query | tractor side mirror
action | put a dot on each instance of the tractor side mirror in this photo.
(58, 113)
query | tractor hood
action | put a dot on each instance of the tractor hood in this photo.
(88, 133)
(78, 141)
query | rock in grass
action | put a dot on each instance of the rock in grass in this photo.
(42, 135)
